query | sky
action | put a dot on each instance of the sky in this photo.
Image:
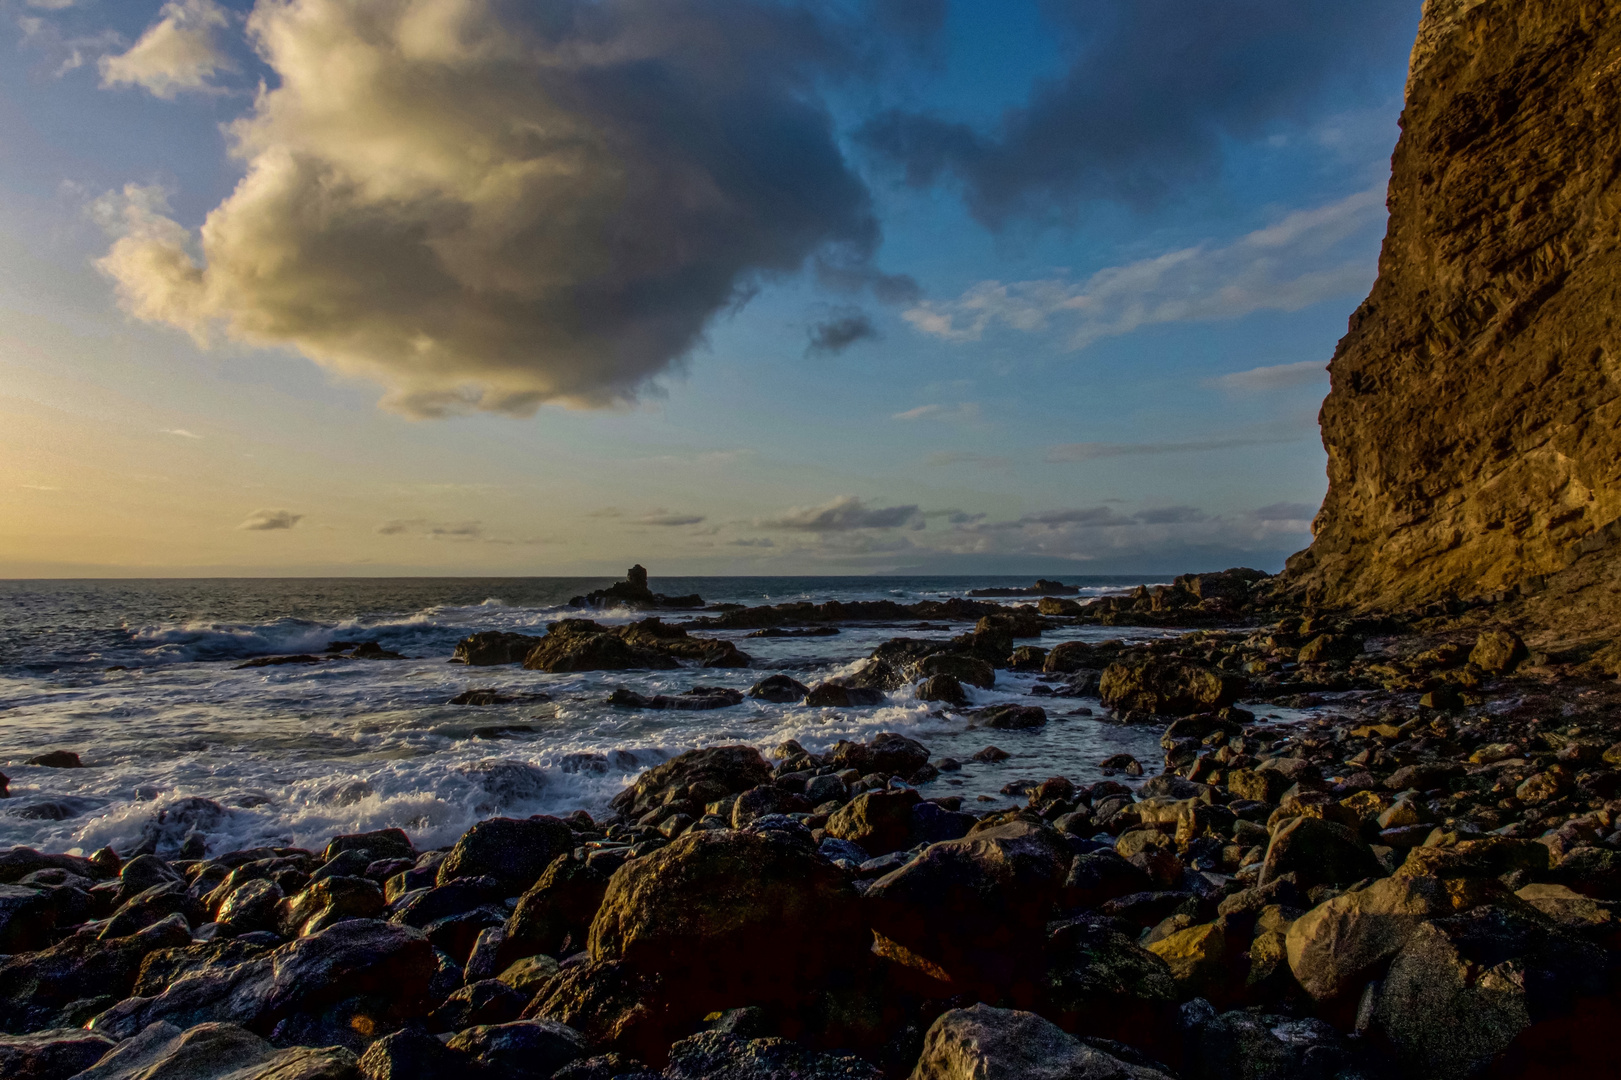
(468, 287)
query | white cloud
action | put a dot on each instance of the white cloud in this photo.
(180, 432)
(179, 52)
(844, 514)
(1285, 267)
(458, 531)
(270, 520)
(490, 206)
(1277, 377)
(668, 519)
(967, 412)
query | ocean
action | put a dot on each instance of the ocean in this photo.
(141, 678)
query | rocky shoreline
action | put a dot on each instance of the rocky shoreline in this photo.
(1421, 881)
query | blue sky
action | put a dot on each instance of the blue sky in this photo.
(722, 286)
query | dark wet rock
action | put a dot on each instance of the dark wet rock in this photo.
(217, 1051)
(1027, 658)
(1042, 587)
(521, 1050)
(696, 699)
(838, 611)
(888, 754)
(557, 911)
(1320, 852)
(490, 696)
(1011, 717)
(1498, 651)
(879, 821)
(282, 661)
(424, 907)
(491, 647)
(981, 1042)
(719, 1055)
(19, 862)
(1100, 982)
(488, 1001)
(164, 966)
(974, 909)
(142, 873)
(35, 988)
(614, 1005)
(1100, 876)
(810, 631)
(1466, 988)
(634, 593)
(1262, 1047)
(960, 666)
(56, 759)
(1167, 687)
(725, 917)
(932, 823)
(1325, 648)
(27, 918)
(692, 780)
(605, 1067)
(414, 1055)
(1069, 657)
(763, 801)
(152, 906)
(360, 957)
(990, 755)
(1338, 945)
(781, 689)
(513, 851)
(327, 902)
(836, 695)
(1121, 763)
(51, 1055)
(834, 848)
(344, 864)
(943, 688)
(582, 645)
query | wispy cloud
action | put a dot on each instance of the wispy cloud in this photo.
(181, 432)
(844, 514)
(1293, 264)
(270, 520)
(832, 336)
(179, 52)
(668, 519)
(1094, 451)
(966, 412)
(459, 531)
(1277, 377)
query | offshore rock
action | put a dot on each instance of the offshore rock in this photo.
(634, 593)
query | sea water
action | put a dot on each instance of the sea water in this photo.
(142, 680)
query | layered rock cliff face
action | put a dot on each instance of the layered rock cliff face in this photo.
(1474, 423)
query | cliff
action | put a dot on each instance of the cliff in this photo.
(1473, 427)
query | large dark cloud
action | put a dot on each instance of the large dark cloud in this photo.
(1151, 91)
(493, 204)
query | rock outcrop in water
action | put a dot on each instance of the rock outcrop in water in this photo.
(633, 593)
(1474, 424)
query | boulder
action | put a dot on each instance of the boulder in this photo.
(164, 966)
(693, 779)
(697, 699)
(48, 988)
(1100, 982)
(944, 688)
(51, 1055)
(216, 1051)
(1320, 852)
(1011, 717)
(412, 1054)
(1068, 657)
(328, 902)
(382, 844)
(1337, 946)
(484, 1002)
(1198, 958)
(1466, 988)
(615, 1006)
(720, 1055)
(1498, 651)
(1328, 647)
(836, 695)
(1100, 876)
(960, 666)
(1258, 1046)
(731, 916)
(781, 689)
(27, 917)
(19, 862)
(358, 957)
(880, 821)
(1167, 687)
(986, 1043)
(974, 909)
(492, 647)
(888, 754)
(556, 913)
(514, 852)
(56, 759)
(521, 1050)
(582, 645)
(254, 906)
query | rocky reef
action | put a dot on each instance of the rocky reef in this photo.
(1472, 425)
